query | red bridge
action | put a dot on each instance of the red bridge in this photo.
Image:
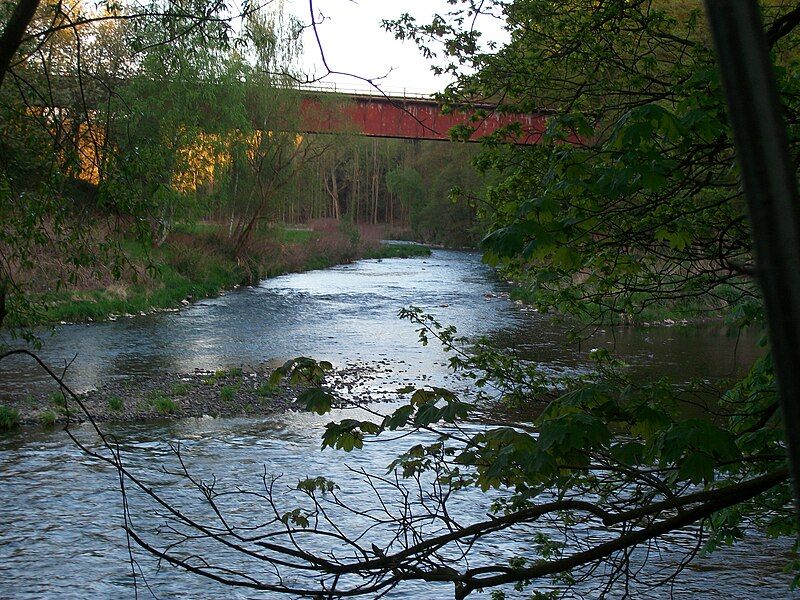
(408, 118)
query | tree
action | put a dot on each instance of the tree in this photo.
(173, 123)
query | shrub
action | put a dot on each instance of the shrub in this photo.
(351, 232)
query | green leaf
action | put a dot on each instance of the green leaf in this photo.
(697, 467)
(316, 400)
(399, 418)
(427, 414)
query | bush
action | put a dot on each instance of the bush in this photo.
(351, 232)
(115, 403)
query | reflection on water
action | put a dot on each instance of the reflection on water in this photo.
(60, 513)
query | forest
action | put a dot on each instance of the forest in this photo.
(152, 155)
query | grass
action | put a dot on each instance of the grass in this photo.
(222, 374)
(48, 418)
(266, 390)
(165, 405)
(162, 403)
(181, 270)
(294, 236)
(9, 418)
(228, 392)
(59, 402)
(155, 395)
(115, 403)
(179, 388)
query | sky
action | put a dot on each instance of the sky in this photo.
(354, 42)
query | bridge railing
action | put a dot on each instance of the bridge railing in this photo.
(364, 90)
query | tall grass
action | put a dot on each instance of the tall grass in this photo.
(9, 418)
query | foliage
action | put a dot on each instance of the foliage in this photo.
(641, 205)
(201, 264)
(638, 458)
(122, 128)
(67, 184)
(164, 405)
(631, 201)
(115, 403)
(442, 190)
(123, 124)
(404, 185)
(48, 418)
(228, 392)
(9, 418)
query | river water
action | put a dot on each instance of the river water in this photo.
(60, 511)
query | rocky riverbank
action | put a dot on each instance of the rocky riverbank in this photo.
(239, 391)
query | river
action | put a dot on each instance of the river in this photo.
(60, 511)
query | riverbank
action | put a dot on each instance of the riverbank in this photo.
(200, 261)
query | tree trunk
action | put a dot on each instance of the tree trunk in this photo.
(770, 188)
(14, 31)
(333, 192)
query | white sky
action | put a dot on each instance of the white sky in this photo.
(354, 42)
